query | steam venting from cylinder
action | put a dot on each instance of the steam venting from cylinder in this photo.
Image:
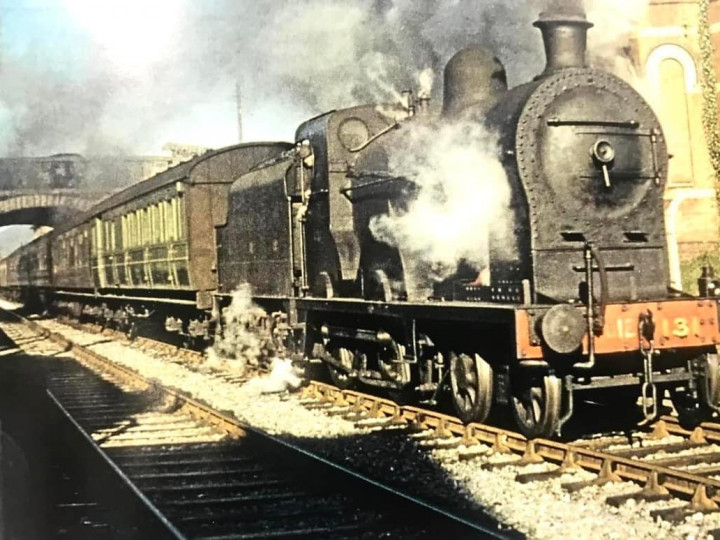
(475, 78)
(565, 39)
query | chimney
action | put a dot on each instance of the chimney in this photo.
(565, 39)
(238, 105)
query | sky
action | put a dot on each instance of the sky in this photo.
(118, 63)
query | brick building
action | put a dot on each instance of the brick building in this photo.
(666, 51)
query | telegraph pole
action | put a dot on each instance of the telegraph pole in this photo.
(238, 103)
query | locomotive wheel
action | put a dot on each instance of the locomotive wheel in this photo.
(691, 411)
(346, 358)
(471, 382)
(391, 365)
(536, 404)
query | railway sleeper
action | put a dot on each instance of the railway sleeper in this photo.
(651, 492)
(700, 503)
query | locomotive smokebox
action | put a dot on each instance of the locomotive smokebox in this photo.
(565, 39)
(474, 77)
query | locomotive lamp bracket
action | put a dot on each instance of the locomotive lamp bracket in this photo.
(304, 151)
(603, 154)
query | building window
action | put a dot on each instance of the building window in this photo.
(673, 75)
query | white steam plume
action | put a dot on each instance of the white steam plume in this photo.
(425, 79)
(609, 40)
(462, 193)
(241, 346)
(283, 377)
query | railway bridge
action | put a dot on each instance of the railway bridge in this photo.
(43, 191)
(48, 207)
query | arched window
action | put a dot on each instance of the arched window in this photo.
(672, 73)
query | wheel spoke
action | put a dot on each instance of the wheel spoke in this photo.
(537, 404)
(468, 396)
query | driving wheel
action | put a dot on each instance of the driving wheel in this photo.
(535, 404)
(471, 384)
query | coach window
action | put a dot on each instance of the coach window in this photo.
(98, 237)
(151, 222)
(133, 229)
(181, 218)
(176, 218)
(136, 226)
(158, 223)
(140, 226)
(118, 239)
(166, 229)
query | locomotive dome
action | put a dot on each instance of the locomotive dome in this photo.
(473, 76)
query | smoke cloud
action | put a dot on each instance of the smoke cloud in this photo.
(134, 78)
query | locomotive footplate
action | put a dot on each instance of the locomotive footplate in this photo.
(432, 310)
(678, 324)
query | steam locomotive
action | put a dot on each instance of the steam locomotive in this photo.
(572, 299)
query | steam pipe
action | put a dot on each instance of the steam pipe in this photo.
(595, 323)
(587, 255)
(604, 293)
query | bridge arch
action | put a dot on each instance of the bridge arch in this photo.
(49, 208)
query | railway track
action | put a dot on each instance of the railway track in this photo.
(667, 462)
(671, 466)
(198, 473)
